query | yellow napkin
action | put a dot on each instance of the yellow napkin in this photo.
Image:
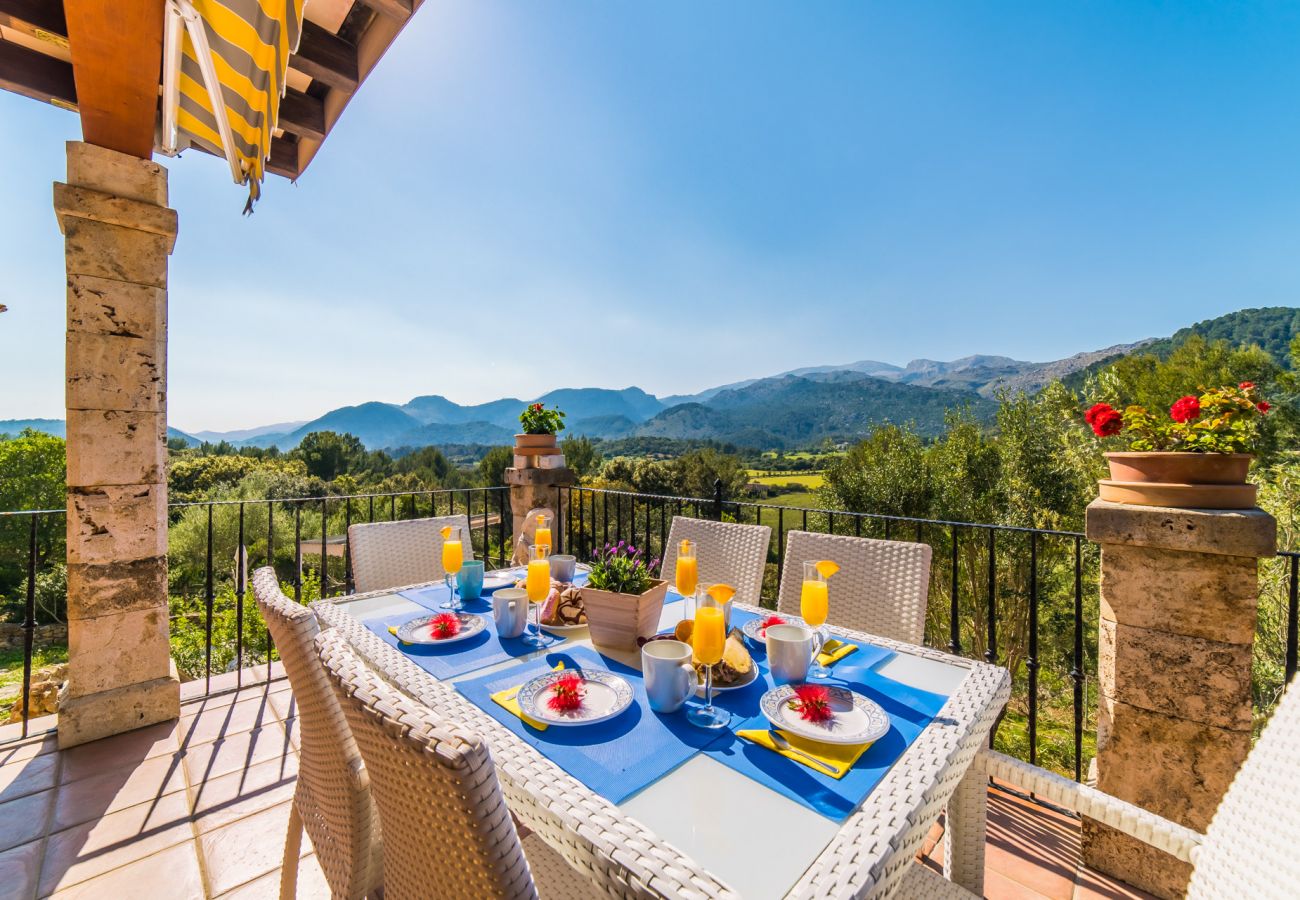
(834, 760)
(833, 651)
(509, 698)
(392, 629)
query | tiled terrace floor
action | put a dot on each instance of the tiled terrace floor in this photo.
(200, 809)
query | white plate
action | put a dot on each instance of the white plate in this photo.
(753, 675)
(606, 696)
(751, 627)
(416, 631)
(857, 720)
(495, 581)
(563, 630)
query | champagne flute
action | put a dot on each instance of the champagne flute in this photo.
(709, 638)
(453, 557)
(538, 585)
(542, 534)
(814, 607)
(687, 575)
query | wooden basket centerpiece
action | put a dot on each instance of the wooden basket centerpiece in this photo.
(1196, 458)
(622, 598)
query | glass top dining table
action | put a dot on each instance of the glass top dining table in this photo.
(726, 822)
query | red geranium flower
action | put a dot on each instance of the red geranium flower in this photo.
(813, 703)
(567, 693)
(1247, 385)
(1107, 422)
(1185, 409)
(1096, 410)
(1263, 407)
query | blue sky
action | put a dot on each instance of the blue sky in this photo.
(528, 195)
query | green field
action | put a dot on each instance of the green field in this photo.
(810, 480)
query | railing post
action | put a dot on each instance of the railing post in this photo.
(1177, 628)
(717, 499)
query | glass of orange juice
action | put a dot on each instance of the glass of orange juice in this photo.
(542, 533)
(688, 571)
(708, 638)
(814, 607)
(537, 583)
(453, 557)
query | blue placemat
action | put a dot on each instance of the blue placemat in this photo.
(910, 710)
(450, 660)
(615, 758)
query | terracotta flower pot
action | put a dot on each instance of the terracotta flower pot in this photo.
(535, 441)
(1179, 480)
(617, 620)
(1180, 468)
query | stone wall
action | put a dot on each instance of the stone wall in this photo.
(12, 635)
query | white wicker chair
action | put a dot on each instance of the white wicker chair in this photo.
(450, 834)
(1248, 849)
(882, 586)
(332, 796)
(727, 552)
(399, 554)
(525, 538)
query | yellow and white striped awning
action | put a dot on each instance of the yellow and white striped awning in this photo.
(224, 74)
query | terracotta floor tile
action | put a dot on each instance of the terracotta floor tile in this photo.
(24, 819)
(93, 848)
(28, 776)
(246, 849)
(220, 801)
(207, 761)
(20, 868)
(196, 703)
(172, 873)
(246, 715)
(26, 749)
(36, 726)
(998, 887)
(311, 884)
(284, 705)
(128, 749)
(89, 798)
(1093, 885)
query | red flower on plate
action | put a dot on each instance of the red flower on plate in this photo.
(567, 693)
(813, 703)
(1185, 409)
(445, 625)
(768, 623)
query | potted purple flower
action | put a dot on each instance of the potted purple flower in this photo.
(622, 597)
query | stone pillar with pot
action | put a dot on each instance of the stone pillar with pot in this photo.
(1177, 626)
(118, 233)
(536, 479)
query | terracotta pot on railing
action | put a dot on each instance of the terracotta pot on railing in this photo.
(1179, 480)
(538, 451)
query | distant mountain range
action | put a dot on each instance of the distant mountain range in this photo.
(788, 410)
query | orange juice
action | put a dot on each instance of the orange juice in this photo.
(709, 636)
(538, 580)
(813, 605)
(543, 538)
(687, 575)
(452, 557)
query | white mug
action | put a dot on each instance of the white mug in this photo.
(510, 609)
(669, 676)
(789, 652)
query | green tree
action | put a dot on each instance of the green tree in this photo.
(32, 476)
(698, 470)
(885, 474)
(581, 455)
(492, 467)
(329, 454)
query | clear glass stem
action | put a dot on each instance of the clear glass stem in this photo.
(708, 688)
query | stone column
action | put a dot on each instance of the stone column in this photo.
(536, 488)
(118, 233)
(1178, 596)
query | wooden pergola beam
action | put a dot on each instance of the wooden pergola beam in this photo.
(395, 9)
(325, 57)
(36, 75)
(117, 63)
(40, 19)
(302, 114)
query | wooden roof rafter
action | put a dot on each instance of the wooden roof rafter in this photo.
(33, 62)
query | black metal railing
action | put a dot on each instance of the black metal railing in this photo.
(1020, 597)
(1025, 598)
(215, 626)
